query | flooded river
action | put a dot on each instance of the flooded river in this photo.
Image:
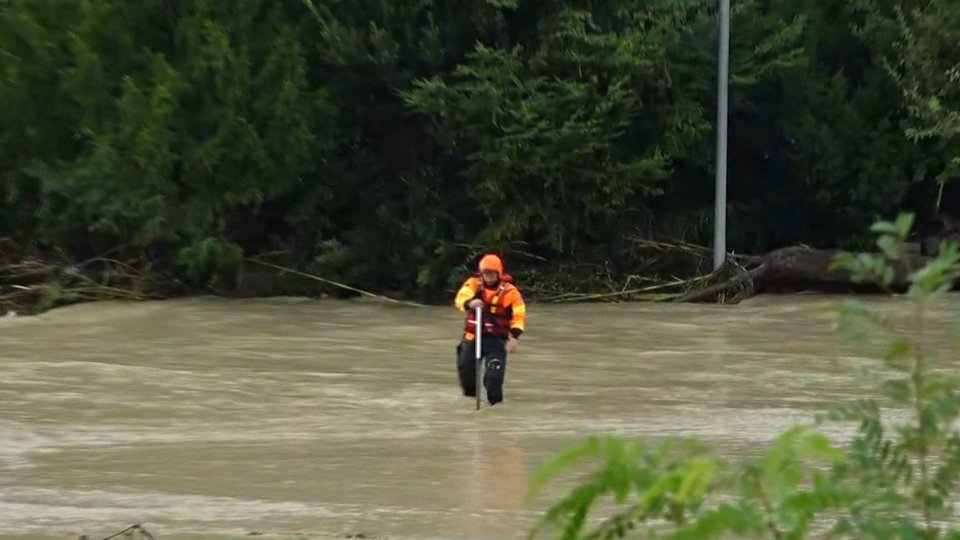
(324, 418)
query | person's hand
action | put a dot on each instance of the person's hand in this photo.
(512, 343)
(475, 303)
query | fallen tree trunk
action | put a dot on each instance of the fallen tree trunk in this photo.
(797, 269)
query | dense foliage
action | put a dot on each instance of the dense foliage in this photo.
(384, 144)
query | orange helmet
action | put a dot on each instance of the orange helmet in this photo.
(491, 262)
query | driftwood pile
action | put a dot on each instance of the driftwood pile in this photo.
(31, 283)
(789, 269)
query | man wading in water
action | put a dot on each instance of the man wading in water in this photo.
(504, 317)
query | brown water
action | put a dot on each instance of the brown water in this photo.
(322, 418)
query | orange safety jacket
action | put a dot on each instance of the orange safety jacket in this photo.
(504, 312)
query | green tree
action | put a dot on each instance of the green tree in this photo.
(570, 132)
(914, 42)
(928, 70)
(179, 122)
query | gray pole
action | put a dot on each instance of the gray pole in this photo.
(723, 77)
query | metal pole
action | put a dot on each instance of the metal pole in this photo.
(478, 363)
(723, 77)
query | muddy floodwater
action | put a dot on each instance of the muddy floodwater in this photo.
(326, 418)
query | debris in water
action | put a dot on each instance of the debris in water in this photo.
(130, 531)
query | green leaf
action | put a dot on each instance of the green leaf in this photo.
(889, 246)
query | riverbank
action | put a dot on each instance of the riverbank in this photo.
(652, 271)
